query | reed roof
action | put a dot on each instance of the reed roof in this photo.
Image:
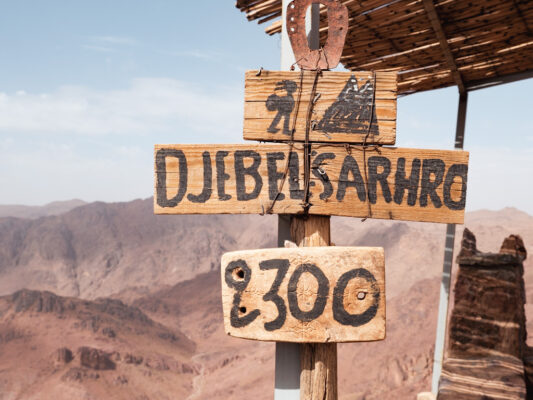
(432, 43)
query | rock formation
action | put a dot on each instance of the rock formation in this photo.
(95, 359)
(487, 332)
(64, 355)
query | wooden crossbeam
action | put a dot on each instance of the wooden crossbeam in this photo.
(499, 80)
(521, 15)
(437, 27)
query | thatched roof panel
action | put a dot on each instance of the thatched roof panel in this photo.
(467, 41)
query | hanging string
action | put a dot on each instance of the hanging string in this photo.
(308, 146)
(307, 153)
(291, 145)
(369, 215)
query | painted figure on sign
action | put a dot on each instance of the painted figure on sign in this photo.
(282, 104)
(353, 111)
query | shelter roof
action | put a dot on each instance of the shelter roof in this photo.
(432, 44)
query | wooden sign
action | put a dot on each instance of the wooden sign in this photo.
(388, 183)
(317, 294)
(347, 107)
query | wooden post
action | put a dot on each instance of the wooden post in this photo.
(318, 378)
(287, 354)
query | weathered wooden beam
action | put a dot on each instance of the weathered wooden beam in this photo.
(499, 80)
(288, 355)
(318, 376)
(439, 32)
(347, 107)
(387, 182)
(522, 18)
(323, 294)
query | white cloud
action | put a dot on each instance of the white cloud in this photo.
(147, 106)
(45, 171)
(98, 144)
(116, 40)
(200, 54)
(101, 49)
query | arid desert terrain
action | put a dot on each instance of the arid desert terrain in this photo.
(107, 300)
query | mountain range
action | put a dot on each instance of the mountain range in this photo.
(132, 301)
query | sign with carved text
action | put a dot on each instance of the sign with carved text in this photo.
(387, 183)
(347, 106)
(314, 294)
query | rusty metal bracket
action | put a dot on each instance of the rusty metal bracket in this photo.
(324, 58)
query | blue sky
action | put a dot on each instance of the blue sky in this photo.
(87, 89)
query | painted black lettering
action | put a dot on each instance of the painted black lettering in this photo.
(339, 312)
(350, 166)
(401, 182)
(321, 174)
(282, 266)
(274, 176)
(294, 178)
(460, 170)
(429, 187)
(208, 180)
(321, 297)
(237, 276)
(222, 177)
(160, 162)
(241, 171)
(374, 177)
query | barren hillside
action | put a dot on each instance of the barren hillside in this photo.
(55, 347)
(152, 291)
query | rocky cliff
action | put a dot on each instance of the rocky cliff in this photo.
(487, 331)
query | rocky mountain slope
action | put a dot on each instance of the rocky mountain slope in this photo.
(32, 212)
(166, 268)
(100, 249)
(55, 347)
(399, 366)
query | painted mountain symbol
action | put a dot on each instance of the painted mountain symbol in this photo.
(352, 112)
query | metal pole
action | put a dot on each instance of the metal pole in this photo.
(287, 370)
(448, 262)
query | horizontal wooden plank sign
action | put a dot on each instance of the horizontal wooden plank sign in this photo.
(388, 183)
(318, 294)
(347, 106)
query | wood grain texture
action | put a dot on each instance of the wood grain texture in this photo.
(318, 294)
(311, 231)
(318, 361)
(342, 112)
(318, 377)
(403, 184)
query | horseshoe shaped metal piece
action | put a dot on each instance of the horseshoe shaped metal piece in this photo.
(330, 55)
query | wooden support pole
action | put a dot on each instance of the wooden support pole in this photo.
(310, 231)
(286, 384)
(441, 36)
(318, 377)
